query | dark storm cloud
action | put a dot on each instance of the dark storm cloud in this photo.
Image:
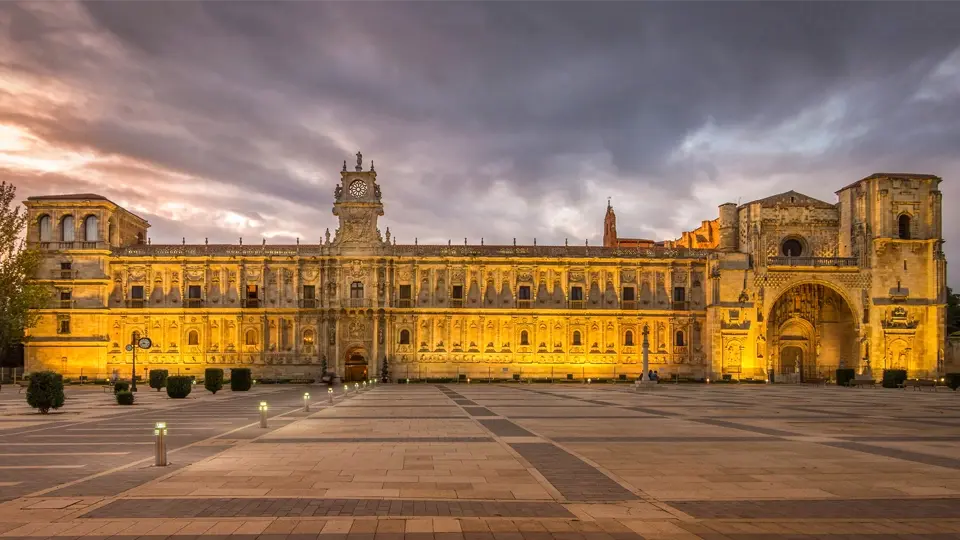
(670, 106)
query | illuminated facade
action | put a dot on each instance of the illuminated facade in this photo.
(788, 284)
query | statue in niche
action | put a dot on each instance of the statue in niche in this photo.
(337, 192)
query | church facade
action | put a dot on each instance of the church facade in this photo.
(787, 287)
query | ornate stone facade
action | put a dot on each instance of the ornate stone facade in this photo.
(787, 285)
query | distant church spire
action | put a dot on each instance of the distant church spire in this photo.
(610, 226)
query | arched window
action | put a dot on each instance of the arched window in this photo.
(91, 229)
(404, 337)
(250, 338)
(67, 229)
(46, 228)
(308, 337)
(193, 338)
(576, 337)
(791, 248)
(628, 338)
(679, 339)
(524, 338)
(903, 224)
(356, 290)
(139, 237)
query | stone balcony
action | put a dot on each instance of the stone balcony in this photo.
(815, 262)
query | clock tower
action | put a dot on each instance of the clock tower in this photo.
(357, 204)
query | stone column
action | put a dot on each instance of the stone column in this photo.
(646, 353)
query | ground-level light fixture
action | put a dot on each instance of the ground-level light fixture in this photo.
(160, 442)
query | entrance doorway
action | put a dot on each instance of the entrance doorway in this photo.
(791, 362)
(812, 331)
(356, 367)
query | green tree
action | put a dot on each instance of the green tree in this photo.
(19, 296)
(953, 311)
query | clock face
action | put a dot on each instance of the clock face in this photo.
(145, 343)
(357, 189)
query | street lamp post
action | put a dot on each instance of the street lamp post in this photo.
(136, 342)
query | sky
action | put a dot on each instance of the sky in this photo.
(499, 120)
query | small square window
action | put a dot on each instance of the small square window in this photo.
(63, 325)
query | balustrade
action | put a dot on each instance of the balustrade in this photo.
(811, 261)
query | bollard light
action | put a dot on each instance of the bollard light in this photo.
(589, 380)
(330, 393)
(708, 380)
(263, 414)
(468, 380)
(306, 402)
(356, 387)
(160, 435)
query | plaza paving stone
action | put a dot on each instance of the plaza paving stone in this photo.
(491, 462)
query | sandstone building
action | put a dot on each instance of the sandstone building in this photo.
(787, 285)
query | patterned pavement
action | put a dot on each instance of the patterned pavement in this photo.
(478, 461)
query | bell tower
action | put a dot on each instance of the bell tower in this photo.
(609, 227)
(357, 204)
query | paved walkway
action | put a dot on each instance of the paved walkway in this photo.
(490, 462)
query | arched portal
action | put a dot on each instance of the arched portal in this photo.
(355, 365)
(811, 331)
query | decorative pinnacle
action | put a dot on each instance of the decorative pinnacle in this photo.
(344, 165)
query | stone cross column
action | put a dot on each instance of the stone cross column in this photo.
(646, 353)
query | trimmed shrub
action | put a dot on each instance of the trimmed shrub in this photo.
(213, 379)
(158, 378)
(121, 386)
(894, 377)
(45, 391)
(952, 380)
(241, 379)
(179, 386)
(124, 398)
(845, 375)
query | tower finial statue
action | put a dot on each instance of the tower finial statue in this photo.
(359, 161)
(344, 165)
